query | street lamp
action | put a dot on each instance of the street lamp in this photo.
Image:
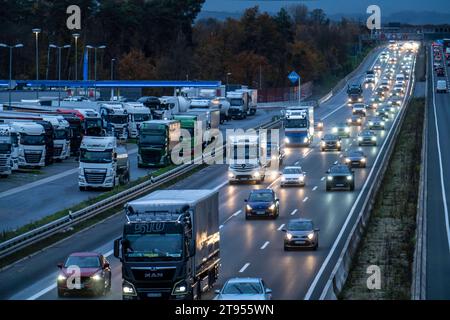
(59, 68)
(228, 74)
(112, 77)
(76, 36)
(2, 45)
(95, 65)
(36, 31)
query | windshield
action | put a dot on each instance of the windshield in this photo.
(93, 123)
(243, 288)
(330, 137)
(154, 137)
(366, 134)
(247, 152)
(61, 134)
(261, 197)
(296, 123)
(5, 147)
(83, 262)
(236, 102)
(117, 119)
(165, 246)
(95, 156)
(292, 171)
(141, 117)
(339, 169)
(355, 154)
(29, 140)
(300, 226)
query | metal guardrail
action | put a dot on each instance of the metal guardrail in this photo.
(339, 274)
(31, 237)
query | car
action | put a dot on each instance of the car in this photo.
(377, 68)
(330, 142)
(292, 175)
(376, 123)
(339, 177)
(342, 130)
(356, 159)
(244, 289)
(367, 137)
(262, 203)
(398, 91)
(301, 233)
(95, 274)
(76, 98)
(440, 72)
(319, 125)
(380, 93)
(359, 108)
(383, 112)
(376, 101)
(441, 86)
(355, 120)
(396, 101)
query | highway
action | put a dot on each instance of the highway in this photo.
(57, 189)
(248, 248)
(437, 189)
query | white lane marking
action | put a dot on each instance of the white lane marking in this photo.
(293, 212)
(221, 185)
(306, 199)
(329, 114)
(281, 227)
(347, 221)
(307, 153)
(237, 213)
(244, 267)
(296, 163)
(264, 245)
(340, 156)
(335, 162)
(273, 183)
(44, 181)
(441, 170)
(314, 189)
(323, 178)
(221, 226)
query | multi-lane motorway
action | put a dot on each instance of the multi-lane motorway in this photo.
(437, 188)
(248, 248)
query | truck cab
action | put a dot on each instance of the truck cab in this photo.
(137, 113)
(103, 163)
(91, 122)
(239, 104)
(248, 161)
(114, 119)
(157, 138)
(252, 98)
(32, 148)
(299, 126)
(169, 247)
(61, 137)
(211, 111)
(9, 150)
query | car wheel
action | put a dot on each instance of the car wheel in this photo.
(316, 246)
(339, 149)
(327, 188)
(60, 293)
(352, 187)
(321, 149)
(82, 188)
(286, 248)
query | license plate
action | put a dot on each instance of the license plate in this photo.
(260, 212)
(299, 242)
(339, 185)
(154, 295)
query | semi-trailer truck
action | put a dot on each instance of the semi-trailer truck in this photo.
(169, 248)
(299, 126)
(104, 163)
(114, 119)
(9, 150)
(157, 138)
(32, 147)
(137, 113)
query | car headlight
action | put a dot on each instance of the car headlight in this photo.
(335, 130)
(349, 177)
(305, 140)
(360, 138)
(283, 178)
(288, 236)
(349, 99)
(97, 277)
(360, 99)
(320, 124)
(347, 160)
(382, 123)
(374, 138)
(301, 178)
(128, 289)
(329, 178)
(347, 129)
(256, 174)
(338, 143)
(286, 140)
(323, 143)
(311, 236)
(370, 123)
(248, 208)
(180, 288)
(272, 207)
(61, 277)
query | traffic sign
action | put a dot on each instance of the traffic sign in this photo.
(293, 76)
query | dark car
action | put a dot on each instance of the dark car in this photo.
(383, 113)
(94, 272)
(330, 142)
(367, 137)
(340, 176)
(300, 233)
(355, 120)
(375, 102)
(440, 72)
(262, 203)
(376, 123)
(356, 159)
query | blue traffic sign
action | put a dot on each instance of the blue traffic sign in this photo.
(293, 76)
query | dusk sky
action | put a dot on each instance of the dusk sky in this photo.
(332, 6)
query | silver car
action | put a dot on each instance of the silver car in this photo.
(244, 289)
(292, 176)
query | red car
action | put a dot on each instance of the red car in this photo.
(84, 272)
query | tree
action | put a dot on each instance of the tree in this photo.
(136, 66)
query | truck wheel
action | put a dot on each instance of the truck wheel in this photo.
(327, 188)
(82, 188)
(60, 293)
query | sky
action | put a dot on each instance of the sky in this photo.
(332, 6)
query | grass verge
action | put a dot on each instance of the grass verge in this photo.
(389, 240)
(82, 225)
(9, 234)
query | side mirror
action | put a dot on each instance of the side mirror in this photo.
(268, 290)
(117, 248)
(106, 265)
(245, 200)
(60, 265)
(283, 230)
(328, 171)
(317, 230)
(217, 291)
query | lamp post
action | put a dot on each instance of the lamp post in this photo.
(59, 67)
(95, 65)
(112, 77)
(2, 45)
(228, 74)
(76, 36)
(36, 31)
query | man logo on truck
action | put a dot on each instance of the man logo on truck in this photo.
(149, 227)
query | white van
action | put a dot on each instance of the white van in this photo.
(441, 86)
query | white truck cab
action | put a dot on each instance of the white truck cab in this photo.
(61, 139)
(441, 86)
(137, 113)
(114, 119)
(103, 163)
(31, 144)
(9, 150)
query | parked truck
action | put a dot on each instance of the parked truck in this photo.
(104, 163)
(61, 136)
(9, 150)
(114, 119)
(32, 146)
(137, 113)
(91, 122)
(239, 104)
(299, 126)
(157, 138)
(248, 158)
(252, 99)
(170, 246)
